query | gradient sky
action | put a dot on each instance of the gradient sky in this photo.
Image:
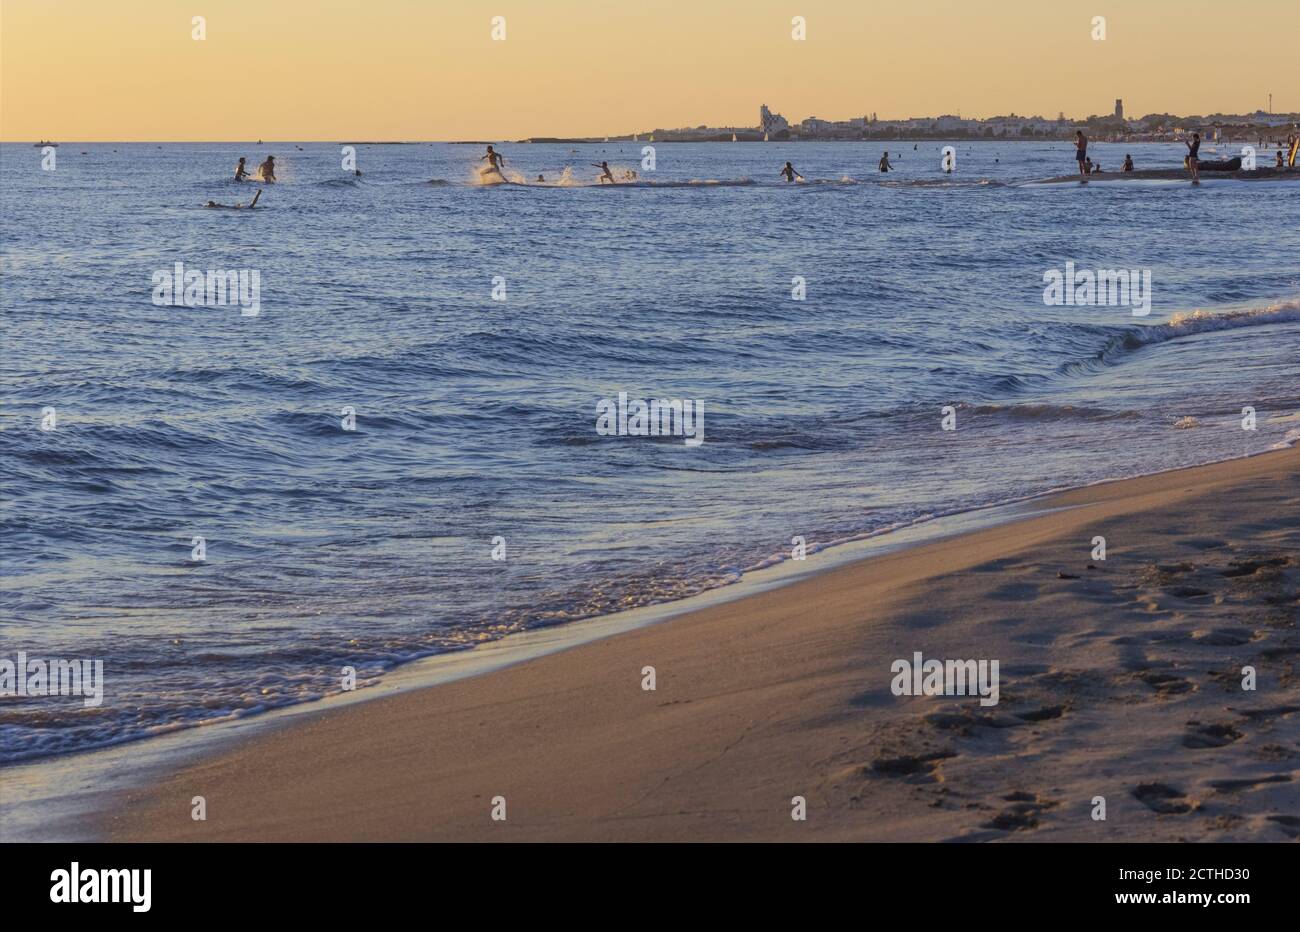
(123, 70)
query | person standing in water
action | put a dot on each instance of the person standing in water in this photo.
(606, 174)
(267, 169)
(884, 163)
(240, 171)
(1128, 163)
(1193, 157)
(495, 160)
(789, 174)
(1081, 154)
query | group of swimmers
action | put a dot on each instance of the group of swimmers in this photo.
(1192, 160)
(495, 161)
(265, 171)
(789, 174)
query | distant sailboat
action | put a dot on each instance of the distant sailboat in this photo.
(766, 137)
(733, 137)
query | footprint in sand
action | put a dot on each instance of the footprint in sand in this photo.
(1022, 814)
(1164, 799)
(1214, 735)
(1223, 637)
(1251, 567)
(1289, 824)
(917, 768)
(1263, 715)
(1166, 684)
(1231, 786)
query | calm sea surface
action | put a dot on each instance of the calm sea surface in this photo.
(475, 418)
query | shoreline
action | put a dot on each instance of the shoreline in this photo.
(444, 748)
(82, 778)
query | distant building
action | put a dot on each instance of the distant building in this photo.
(770, 122)
(1119, 109)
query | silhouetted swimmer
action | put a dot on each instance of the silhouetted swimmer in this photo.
(884, 163)
(606, 175)
(540, 178)
(240, 171)
(1128, 163)
(1279, 163)
(1081, 154)
(248, 206)
(789, 174)
(495, 160)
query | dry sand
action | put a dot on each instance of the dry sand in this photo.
(1121, 681)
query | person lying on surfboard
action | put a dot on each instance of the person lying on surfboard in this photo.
(607, 174)
(495, 160)
(237, 206)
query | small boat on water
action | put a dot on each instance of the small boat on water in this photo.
(43, 144)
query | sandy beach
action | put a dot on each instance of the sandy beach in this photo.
(1118, 679)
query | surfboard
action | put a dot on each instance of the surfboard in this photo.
(1295, 150)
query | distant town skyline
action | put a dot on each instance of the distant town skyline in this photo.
(79, 70)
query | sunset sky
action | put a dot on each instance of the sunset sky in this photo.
(415, 69)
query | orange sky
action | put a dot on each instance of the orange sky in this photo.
(125, 70)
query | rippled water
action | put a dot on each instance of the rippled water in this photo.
(475, 418)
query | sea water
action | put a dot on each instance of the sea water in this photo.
(187, 497)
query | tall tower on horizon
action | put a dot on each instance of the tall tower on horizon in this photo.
(1119, 109)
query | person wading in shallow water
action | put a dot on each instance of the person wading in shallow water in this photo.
(1194, 157)
(1081, 154)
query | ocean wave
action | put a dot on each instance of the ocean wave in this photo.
(1184, 324)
